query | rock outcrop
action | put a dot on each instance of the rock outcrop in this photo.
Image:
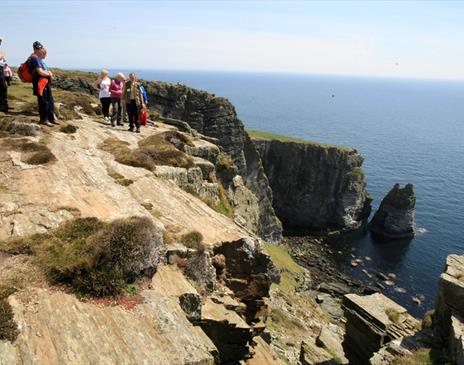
(372, 322)
(449, 310)
(173, 323)
(315, 187)
(395, 217)
(214, 117)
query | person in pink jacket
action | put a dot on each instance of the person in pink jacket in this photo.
(116, 88)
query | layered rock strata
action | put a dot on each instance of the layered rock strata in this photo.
(216, 118)
(449, 310)
(83, 181)
(395, 217)
(372, 322)
(316, 187)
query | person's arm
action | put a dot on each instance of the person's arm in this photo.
(96, 85)
(43, 73)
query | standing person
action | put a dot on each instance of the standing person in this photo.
(116, 88)
(134, 102)
(41, 83)
(102, 85)
(3, 87)
(8, 74)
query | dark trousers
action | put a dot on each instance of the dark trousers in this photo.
(46, 105)
(133, 112)
(106, 102)
(3, 92)
(8, 80)
(116, 117)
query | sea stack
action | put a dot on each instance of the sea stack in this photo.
(395, 217)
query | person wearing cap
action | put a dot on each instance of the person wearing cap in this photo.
(133, 99)
(41, 83)
(3, 86)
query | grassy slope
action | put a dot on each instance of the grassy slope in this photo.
(271, 136)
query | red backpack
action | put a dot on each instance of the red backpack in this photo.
(24, 72)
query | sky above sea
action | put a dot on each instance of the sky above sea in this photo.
(372, 38)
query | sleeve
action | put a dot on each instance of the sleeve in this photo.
(34, 63)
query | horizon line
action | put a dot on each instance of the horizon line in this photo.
(265, 72)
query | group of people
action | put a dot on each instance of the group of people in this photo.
(124, 96)
(6, 76)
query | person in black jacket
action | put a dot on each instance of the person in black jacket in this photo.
(3, 87)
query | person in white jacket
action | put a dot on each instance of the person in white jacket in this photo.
(102, 85)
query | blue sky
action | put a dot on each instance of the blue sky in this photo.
(373, 38)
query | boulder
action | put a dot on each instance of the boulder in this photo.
(395, 217)
(372, 322)
(311, 354)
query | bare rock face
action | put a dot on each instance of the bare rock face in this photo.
(372, 322)
(449, 310)
(316, 187)
(214, 117)
(395, 217)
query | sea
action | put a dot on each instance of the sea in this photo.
(407, 130)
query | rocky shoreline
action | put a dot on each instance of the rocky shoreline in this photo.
(337, 270)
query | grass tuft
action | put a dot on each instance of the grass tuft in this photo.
(194, 240)
(68, 129)
(40, 158)
(92, 257)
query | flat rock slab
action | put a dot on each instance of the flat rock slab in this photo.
(58, 329)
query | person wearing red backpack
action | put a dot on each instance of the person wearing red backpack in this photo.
(41, 84)
(3, 87)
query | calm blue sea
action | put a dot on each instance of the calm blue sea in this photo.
(407, 131)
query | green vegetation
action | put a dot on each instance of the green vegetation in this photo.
(153, 150)
(118, 178)
(123, 154)
(194, 240)
(393, 315)
(224, 206)
(40, 158)
(278, 318)
(424, 356)
(35, 153)
(163, 149)
(271, 136)
(8, 328)
(289, 269)
(68, 129)
(92, 257)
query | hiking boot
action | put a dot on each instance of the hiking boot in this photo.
(130, 130)
(47, 123)
(113, 124)
(137, 130)
(55, 122)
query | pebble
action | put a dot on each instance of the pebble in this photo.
(367, 258)
(339, 252)
(400, 290)
(379, 285)
(389, 282)
(354, 263)
(382, 276)
(416, 300)
(367, 273)
(392, 276)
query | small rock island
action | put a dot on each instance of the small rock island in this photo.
(395, 217)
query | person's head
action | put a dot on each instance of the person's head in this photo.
(39, 49)
(1, 40)
(120, 76)
(132, 77)
(104, 74)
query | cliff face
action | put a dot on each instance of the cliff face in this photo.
(315, 187)
(213, 117)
